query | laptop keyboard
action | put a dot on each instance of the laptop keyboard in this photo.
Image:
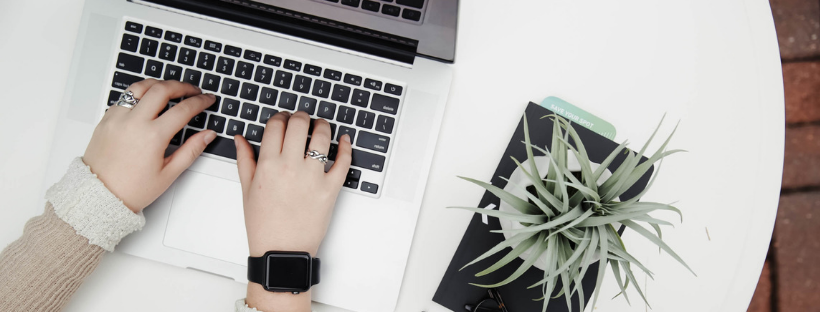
(252, 85)
(405, 10)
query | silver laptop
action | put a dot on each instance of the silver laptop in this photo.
(376, 70)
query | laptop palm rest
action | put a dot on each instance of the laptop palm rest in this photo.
(207, 218)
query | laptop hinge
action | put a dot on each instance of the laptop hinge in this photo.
(300, 25)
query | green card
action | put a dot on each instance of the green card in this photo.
(579, 116)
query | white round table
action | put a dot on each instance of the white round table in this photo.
(712, 65)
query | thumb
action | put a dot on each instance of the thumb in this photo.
(244, 162)
(186, 154)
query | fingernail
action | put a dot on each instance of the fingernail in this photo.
(346, 138)
(209, 137)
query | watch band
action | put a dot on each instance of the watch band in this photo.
(257, 270)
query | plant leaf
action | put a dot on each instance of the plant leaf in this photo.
(519, 204)
(519, 217)
(517, 251)
(602, 265)
(640, 230)
(500, 246)
(566, 217)
(537, 251)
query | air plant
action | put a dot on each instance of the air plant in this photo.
(571, 221)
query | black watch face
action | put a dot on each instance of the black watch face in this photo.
(288, 272)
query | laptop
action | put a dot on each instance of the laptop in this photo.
(377, 70)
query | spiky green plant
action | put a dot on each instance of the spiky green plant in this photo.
(570, 219)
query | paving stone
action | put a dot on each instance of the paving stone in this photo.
(762, 300)
(801, 83)
(797, 251)
(798, 27)
(801, 162)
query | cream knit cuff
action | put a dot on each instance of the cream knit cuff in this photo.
(83, 201)
(241, 306)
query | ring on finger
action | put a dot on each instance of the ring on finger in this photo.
(127, 100)
(314, 154)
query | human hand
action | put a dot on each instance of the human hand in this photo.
(127, 149)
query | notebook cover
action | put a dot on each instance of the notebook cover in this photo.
(454, 291)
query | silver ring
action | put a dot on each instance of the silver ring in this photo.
(127, 100)
(316, 155)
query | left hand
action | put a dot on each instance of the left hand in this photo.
(127, 149)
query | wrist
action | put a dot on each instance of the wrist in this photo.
(263, 300)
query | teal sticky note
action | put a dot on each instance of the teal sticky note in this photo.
(579, 117)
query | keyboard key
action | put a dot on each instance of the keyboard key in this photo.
(213, 46)
(216, 123)
(263, 74)
(268, 96)
(326, 110)
(345, 130)
(249, 111)
(186, 56)
(353, 79)
(412, 15)
(313, 70)
(354, 174)
(244, 70)
(350, 183)
(232, 50)
(215, 106)
(220, 146)
(253, 56)
(411, 3)
(153, 68)
(230, 107)
(193, 41)
(113, 97)
(235, 127)
(249, 91)
(174, 37)
(367, 160)
(123, 80)
(365, 119)
(133, 27)
(130, 63)
(230, 87)
(341, 93)
(177, 139)
(334, 148)
(333, 74)
(385, 104)
(254, 133)
(384, 124)
(173, 72)
(302, 84)
(346, 115)
(360, 98)
(282, 79)
(373, 84)
(321, 88)
(353, 3)
(370, 5)
(293, 65)
(273, 60)
(168, 52)
(198, 121)
(206, 61)
(288, 100)
(392, 89)
(129, 43)
(211, 82)
(369, 187)
(373, 141)
(307, 105)
(149, 47)
(153, 32)
(267, 113)
(224, 66)
(192, 76)
(391, 10)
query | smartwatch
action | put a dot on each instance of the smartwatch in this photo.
(284, 271)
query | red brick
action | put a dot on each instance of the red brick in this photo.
(801, 162)
(801, 83)
(797, 252)
(762, 300)
(798, 27)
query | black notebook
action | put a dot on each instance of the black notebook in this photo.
(454, 291)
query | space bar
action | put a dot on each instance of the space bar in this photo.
(222, 147)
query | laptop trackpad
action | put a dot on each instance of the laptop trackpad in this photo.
(207, 218)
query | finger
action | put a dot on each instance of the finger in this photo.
(340, 167)
(274, 134)
(185, 155)
(296, 135)
(178, 116)
(157, 97)
(320, 138)
(244, 162)
(138, 89)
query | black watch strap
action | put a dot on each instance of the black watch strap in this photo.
(257, 267)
